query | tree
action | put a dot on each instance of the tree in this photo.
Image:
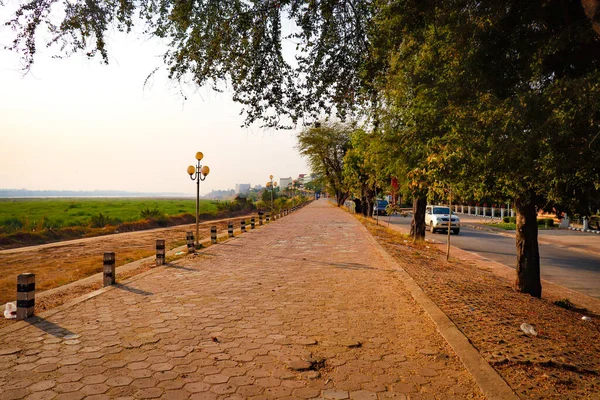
(503, 96)
(234, 43)
(365, 168)
(325, 146)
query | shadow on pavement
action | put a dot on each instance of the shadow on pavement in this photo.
(133, 290)
(48, 327)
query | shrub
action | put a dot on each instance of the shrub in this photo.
(100, 220)
(154, 213)
(509, 220)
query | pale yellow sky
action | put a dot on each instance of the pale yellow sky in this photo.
(75, 124)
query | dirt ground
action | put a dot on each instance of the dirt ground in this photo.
(61, 263)
(561, 362)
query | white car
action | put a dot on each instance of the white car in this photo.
(436, 219)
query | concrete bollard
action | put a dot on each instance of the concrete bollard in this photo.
(462, 209)
(25, 295)
(252, 223)
(109, 269)
(160, 252)
(189, 238)
(230, 229)
(502, 213)
(213, 234)
(268, 218)
(243, 225)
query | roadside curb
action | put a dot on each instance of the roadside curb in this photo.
(489, 381)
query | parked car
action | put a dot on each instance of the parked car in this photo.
(436, 219)
(379, 207)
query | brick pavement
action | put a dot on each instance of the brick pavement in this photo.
(305, 307)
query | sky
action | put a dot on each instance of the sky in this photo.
(77, 124)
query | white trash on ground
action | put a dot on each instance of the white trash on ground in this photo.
(528, 329)
(10, 311)
(586, 318)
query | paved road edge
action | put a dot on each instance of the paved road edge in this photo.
(493, 386)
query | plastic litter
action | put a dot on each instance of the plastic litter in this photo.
(528, 329)
(178, 253)
(10, 311)
(586, 318)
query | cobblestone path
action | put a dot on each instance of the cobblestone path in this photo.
(304, 307)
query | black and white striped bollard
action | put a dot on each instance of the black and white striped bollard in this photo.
(109, 269)
(243, 225)
(252, 223)
(260, 219)
(213, 234)
(268, 218)
(160, 252)
(25, 295)
(189, 238)
(230, 229)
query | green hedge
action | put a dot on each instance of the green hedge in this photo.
(548, 222)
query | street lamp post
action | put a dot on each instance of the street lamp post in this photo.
(198, 173)
(271, 185)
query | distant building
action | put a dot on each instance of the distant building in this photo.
(258, 187)
(284, 182)
(242, 188)
(303, 179)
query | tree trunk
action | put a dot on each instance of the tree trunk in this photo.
(592, 11)
(417, 225)
(528, 253)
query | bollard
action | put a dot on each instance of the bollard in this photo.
(25, 295)
(189, 238)
(243, 225)
(230, 229)
(213, 234)
(252, 223)
(160, 252)
(260, 219)
(268, 218)
(109, 269)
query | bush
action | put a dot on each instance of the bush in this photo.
(509, 220)
(154, 213)
(100, 220)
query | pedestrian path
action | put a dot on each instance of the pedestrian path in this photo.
(305, 307)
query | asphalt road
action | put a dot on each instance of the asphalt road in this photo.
(575, 270)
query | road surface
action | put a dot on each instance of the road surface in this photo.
(576, 270)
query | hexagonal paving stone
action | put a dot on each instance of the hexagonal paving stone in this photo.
(161, 367)
(335, 394)
(119, 381)
(218, 378)
(45, 395)
(98, 388)
(197, 387)
(149, 393)
(68, 387)
(92, 379)
(41, 386)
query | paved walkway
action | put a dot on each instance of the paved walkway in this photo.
(305, 307)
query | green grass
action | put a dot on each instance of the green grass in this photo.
(37, 214)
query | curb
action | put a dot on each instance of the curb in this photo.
(493, 386)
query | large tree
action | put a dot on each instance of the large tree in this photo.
(325, 145)
(503, 96)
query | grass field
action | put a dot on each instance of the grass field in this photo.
(38, 214)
